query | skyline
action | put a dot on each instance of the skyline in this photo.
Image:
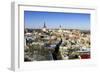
(36, 20)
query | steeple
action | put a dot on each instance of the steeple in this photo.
(60, 26)
(44, 25)
(60, 29)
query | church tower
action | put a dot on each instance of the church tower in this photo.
(44, 27)
(60, 29)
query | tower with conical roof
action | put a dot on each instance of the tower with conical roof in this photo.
(60, 29)
(60, 26)
(44, 27)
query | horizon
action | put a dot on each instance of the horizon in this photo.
(53, 20)
(58, 28)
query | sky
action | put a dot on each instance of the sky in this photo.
(53, 20)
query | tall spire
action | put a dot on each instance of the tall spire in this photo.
(44, 25)
(60, 29)
(60, 26)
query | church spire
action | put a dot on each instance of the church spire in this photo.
(60, 26)
(44, 25)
